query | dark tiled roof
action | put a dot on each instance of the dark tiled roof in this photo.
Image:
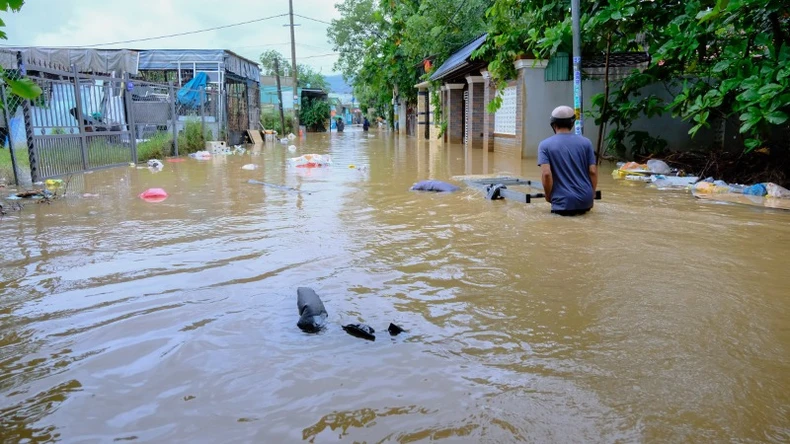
(459, 59)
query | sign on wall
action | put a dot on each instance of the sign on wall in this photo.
(505, 117)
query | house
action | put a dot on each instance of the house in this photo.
(232, 78)
(522, 122)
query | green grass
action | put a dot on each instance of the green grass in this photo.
(6, 168)
(63, 156)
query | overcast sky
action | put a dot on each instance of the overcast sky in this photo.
(89, 22)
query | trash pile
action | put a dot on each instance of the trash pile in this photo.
(32, 194)
(226, 150)
(657, 174)
(310, 161)
(767, 189)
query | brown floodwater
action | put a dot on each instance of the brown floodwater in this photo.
(655, 318)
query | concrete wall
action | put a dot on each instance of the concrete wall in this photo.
(540, 97)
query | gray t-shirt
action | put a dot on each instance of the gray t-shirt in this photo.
(569, 156)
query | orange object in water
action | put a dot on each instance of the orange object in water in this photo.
(176, 159)
(153, 195)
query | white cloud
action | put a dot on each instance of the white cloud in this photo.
(87, 22)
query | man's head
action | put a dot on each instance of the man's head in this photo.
(562, 117)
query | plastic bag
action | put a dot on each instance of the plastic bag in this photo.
(755, 190)
(201, 155)
(310, 161)
(637, 178)
(667, 182)
(633, 166)
(710, 188)
(658, 166)
(775, 190)
(249, 166)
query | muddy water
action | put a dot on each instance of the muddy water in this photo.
(656, 318)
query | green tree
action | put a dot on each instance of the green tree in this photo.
(381, 42)
(22, 87)
(728, 58)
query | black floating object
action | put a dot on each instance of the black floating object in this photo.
(493, 191)
(361, 331)
(394, 329)
(312, 314)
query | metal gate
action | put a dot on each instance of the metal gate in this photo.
(79, 123)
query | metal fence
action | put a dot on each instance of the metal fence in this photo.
(78, 123)
(84, 122)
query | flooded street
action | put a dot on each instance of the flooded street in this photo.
(656, 318)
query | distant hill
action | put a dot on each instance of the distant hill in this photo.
(338, 85)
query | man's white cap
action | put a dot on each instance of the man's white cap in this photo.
(563, 113)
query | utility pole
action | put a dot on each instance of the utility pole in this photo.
(577, 67)
(279, 93)
(293, 68)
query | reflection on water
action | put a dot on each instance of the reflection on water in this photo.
(654, 318)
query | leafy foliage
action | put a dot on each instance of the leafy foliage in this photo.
(270, 119)
(314, 114)
(728, 58)
(382, 43)
(22, 87)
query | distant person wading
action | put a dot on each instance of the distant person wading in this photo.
(365, 124)
(568, 170)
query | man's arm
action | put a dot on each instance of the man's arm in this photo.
(593, 166)
(547, 180)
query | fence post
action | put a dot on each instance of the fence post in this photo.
(129, 102)
(10, 135)
(202, 112)
(79, 116)
(31, 149)
(172, 96)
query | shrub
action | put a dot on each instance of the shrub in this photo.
(270, 120)
(160, 145)
(314, 114)
(191, 139)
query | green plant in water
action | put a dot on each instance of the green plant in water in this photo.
(158, 146)
(314, 114)
(270, 120)
(191, 139)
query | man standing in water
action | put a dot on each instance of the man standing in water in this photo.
(568, 170)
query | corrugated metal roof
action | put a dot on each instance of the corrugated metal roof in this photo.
(167, 59)
(459, 59)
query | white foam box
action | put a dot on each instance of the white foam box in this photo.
(210, 145)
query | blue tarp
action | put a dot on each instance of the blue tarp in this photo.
(193, 91)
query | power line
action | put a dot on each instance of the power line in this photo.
(179, 34)
(320, 55)
(313, 19)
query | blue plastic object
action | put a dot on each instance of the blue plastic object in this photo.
(756, 190)
(434, 185)
(193, 91)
